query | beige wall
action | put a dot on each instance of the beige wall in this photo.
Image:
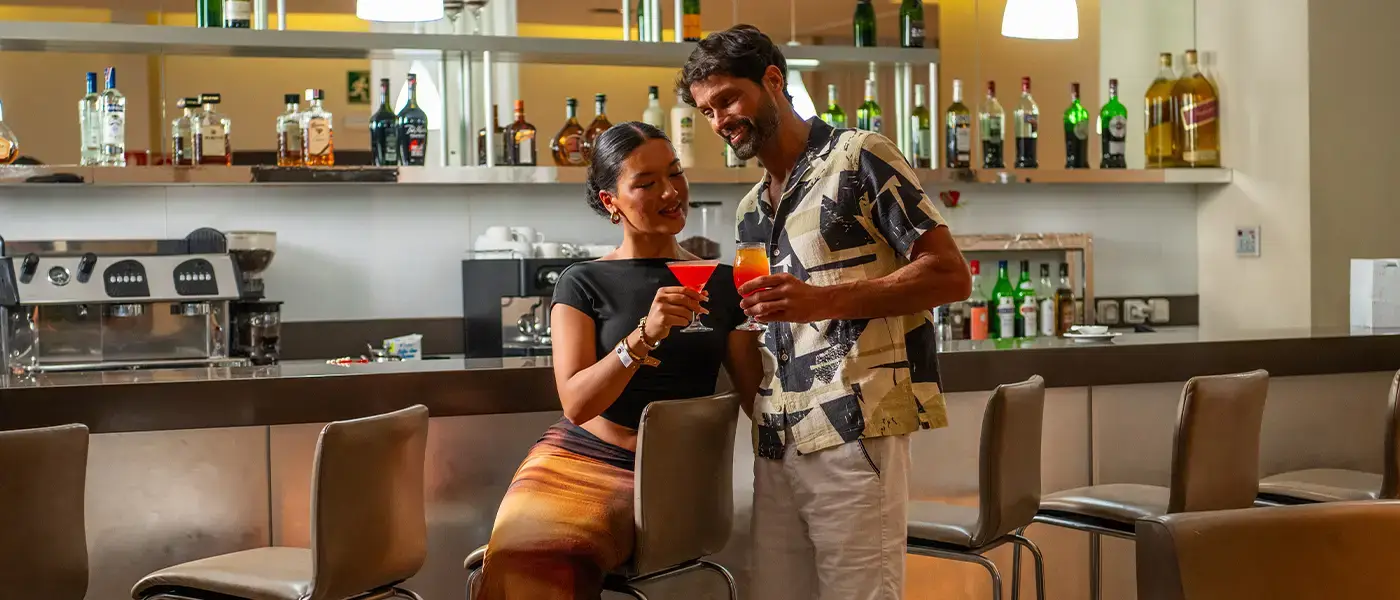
(1352, 48)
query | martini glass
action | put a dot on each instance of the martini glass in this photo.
(694, 274)
(750, 262)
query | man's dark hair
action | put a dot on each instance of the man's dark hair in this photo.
(740, 51)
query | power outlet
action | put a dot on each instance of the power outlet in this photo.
(1136, 311)
(1106, 312)
(1247, 240)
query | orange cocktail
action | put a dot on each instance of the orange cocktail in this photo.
(750, 262)
(694, 274)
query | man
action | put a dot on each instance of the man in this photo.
(860, 256)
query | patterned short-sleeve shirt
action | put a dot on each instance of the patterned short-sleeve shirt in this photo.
(852, 211)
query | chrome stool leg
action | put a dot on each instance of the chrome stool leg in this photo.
(633, 592)
(1016, 566)
(728, 578)
(996, 575)
(1094, 583)
(1039, 559)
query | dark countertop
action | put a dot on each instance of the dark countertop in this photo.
(314, 392)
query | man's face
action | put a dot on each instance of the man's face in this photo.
(740, 111)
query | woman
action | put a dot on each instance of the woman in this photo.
(567, 517)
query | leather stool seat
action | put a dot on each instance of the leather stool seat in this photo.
(943, 523)
(1118, 502)
(259, 574)
(1323, 485)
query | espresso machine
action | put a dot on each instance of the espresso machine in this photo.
(506, 304)
(256, 322)
(85, 305)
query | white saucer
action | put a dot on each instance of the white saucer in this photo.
(1092, 337)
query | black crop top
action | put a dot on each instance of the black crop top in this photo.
(618, 293)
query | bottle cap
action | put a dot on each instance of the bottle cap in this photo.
(519, 106)
(976, 266)
(313, 94)
(291, 98)
(210, 98)
(601, 97)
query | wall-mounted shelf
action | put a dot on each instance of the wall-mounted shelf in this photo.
(1012, 177)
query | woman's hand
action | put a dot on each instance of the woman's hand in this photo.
(672, 307)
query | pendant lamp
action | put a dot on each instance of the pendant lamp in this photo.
(1041, 19)
(399, 11)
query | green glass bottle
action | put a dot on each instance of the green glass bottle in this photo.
(863, 25)
(834, 115)
(1027, 304)
(1076, 132)
(1113, 130)
(957, 131)
(210, 13)
(690, 20)
(911, 24)
(868, 115)
(920, 128)
(1002, 305)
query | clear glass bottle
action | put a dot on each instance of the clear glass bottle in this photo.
(182, 133)
(921, 128)
(522, 138)
(317, 131)
(238, 14)
(683, 132)
(653, 115)
(1045, 294)
(113, 123)
(289, 133)
(1027, 128)
(993, 124)
(834, 115)
(957, 131)
(9, 143)
(567, 145)
(413, 129)
(213, 136)
(90, 124)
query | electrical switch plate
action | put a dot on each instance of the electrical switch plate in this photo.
(1106, 312)
(1161, 311)
(1247, 240)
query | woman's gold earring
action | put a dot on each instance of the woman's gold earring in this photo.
(616, 218)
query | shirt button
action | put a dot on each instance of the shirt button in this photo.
(783, 357)
(775, 253)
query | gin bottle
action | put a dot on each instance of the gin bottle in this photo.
(113, 123)
(90, 123)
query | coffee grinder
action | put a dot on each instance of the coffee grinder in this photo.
(256, 322)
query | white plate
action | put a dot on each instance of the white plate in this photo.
(1086, 337)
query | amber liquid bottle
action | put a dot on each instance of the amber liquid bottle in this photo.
(520, 139)
(597, 127)
(1198, 117)
(1159, 130)
(568, 143)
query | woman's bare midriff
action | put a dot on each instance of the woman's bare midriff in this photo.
(612, 433)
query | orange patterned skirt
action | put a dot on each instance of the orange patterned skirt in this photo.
(565, 522)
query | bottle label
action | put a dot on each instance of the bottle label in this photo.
(1081, 130)
(731, 158)
(6, 148)
(687, 134)
(1032, 124)
(690, 24)
(418, 143)
(92, 133)
(573, 148)
(318, 136)
(916, 34)
(962, 126)
(978, 326)
(1006, 318)
(238, 10)
(1029, 311)
(1067, 313)
(214, 140)
(114, 126)
(992, 130)
(1196, 114)
(293, 135)
(1047, 317)
(525, 151)
(1117, 137)
(391, 147)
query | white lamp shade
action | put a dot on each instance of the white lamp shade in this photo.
(399, 11)
(801, 100)
(1041, 19)
(429, 98)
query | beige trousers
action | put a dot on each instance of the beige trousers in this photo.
(832, 525)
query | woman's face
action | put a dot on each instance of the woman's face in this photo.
(652, 193)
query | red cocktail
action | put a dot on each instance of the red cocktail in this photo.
(694, 274)
(750, 262)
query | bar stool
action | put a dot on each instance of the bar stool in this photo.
(1337, 485)
(43, 476)
(1215, 466)
(368, 529)
(1008, 490)
(684, 494)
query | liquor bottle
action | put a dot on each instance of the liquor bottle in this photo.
(1027, 128)
(210, 13)
(911, 24)
(731, 158)
(1045, 293)
(521, 139)
(993, 124)
(289, 133)
(90, 123)
(683, 132)
(834, 115)
(567, 145)
(863, 24)
(317, 131)
(498, 138)
(383, 134)
(868, 115)
(9, 143)
(1198, 109)
(597, 127)
(957, 131)
(921, 131)
(1158, 136)
(182, 132)
(653, 115)
(412, 125)
(213, 138)
(977, 305)
(113, 105)
(1003, 301)
(1064, 303)
(238, 14)
(1027, 305)
(1113, 130)
(1076, 131)
(690, 20)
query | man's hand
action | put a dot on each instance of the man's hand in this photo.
(781, 297)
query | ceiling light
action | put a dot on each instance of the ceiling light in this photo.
(1041, 19)
(399, 11)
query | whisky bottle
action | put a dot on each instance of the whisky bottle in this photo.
(289, 133)
(1064, 303)
(317, 132)
(1076, 132)
(1027, 128)
(863, 24)
(383, 135)
(690, 20)
(597, 127)
(911, 24)
(9, 143)
(921, 131)
(683, 132)
(1113, 130)
(113, 123)
(957, 131)
(653, 115)
(238, 14)
(567, 145)
(412, 125)
(1198, 124)
(993, 125)
(212, 140)
(521, 138)
(90, 123)
(182, 132)
(497, 137)
(1159, 130)
(833, 115)
(868, 115)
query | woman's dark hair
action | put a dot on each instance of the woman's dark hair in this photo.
(610, 149)
(741, 51)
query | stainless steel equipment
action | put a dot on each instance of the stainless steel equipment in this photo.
(73, 305)
(506, 304)
(256, 322)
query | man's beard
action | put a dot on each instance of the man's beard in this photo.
(760, 129)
